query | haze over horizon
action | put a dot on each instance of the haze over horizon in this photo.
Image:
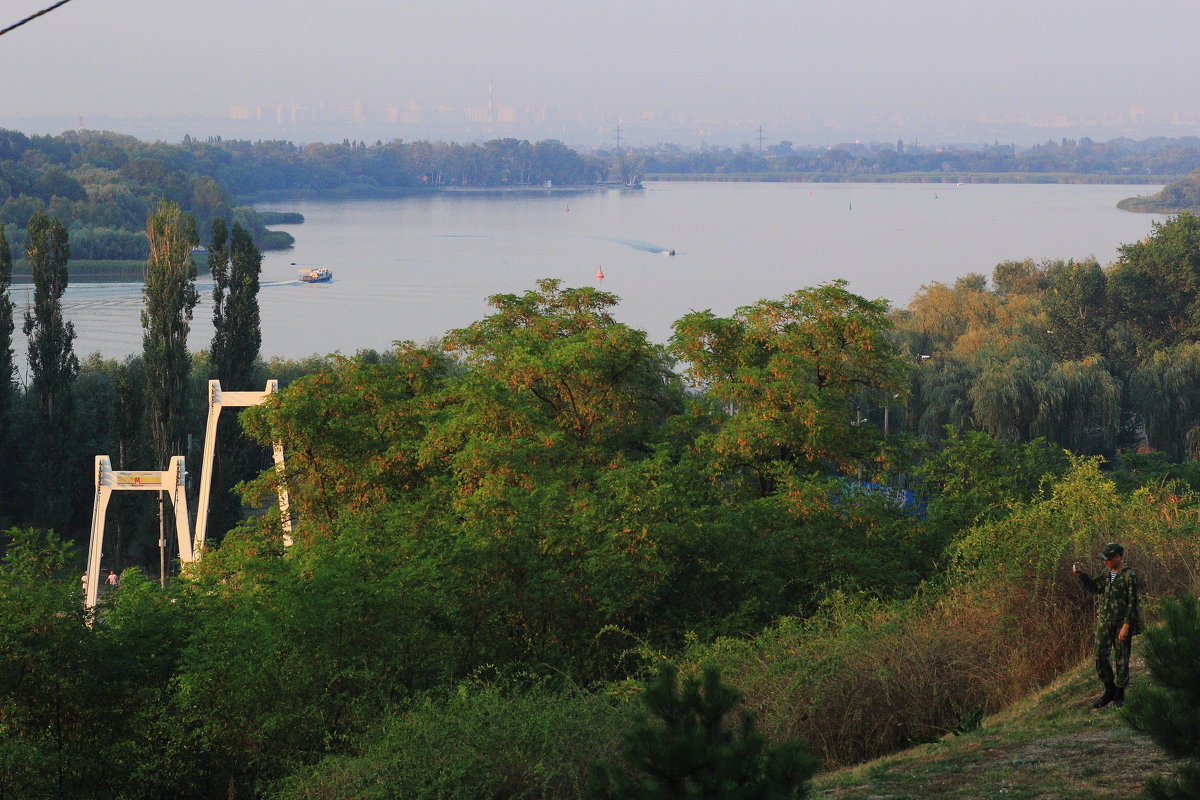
(801, 70)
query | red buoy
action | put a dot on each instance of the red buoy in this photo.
(600, 274)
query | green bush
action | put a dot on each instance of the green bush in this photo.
(687, 749)
(481, 742)
(1169, 709)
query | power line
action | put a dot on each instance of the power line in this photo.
(34, 16)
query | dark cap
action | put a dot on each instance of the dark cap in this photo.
(1111, 549)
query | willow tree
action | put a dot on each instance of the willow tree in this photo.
(1079, 405)
(940, 315)
(1021, 394)
(940, 395)
(1004, 399)
(170, 297)
(1165, 393)
(53, 367)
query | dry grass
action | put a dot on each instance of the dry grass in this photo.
(1049, 745)
(893, 675)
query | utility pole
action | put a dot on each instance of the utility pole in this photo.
(618, 136)
(760, 138)
(162, 546)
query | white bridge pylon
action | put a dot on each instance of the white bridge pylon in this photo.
(172, 480)
(108, 480)
(218, 399)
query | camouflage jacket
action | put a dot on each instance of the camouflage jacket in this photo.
(1119, 603)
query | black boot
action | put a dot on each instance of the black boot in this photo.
(1110, 691)
(1119, 697)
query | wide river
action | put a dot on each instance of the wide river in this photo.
(415, 268)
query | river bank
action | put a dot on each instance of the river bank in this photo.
(365, 192)
(1063, 178)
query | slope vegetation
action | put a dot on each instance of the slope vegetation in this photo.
(1182, 195)
(1051, 744)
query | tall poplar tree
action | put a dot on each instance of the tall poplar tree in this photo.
(53, 369)
(8, 388)
(237, 328)
(7, 367)
(237, 336)
(170, 298)
(218, 264)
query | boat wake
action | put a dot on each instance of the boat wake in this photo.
(638, 244)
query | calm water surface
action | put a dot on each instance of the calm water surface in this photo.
(415, 268)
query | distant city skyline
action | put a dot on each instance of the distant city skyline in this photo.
(808, 71)
(360, 120)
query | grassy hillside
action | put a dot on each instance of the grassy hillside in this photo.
(1049, 745)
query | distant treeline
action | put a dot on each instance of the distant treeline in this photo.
(1119, 157)
(252, 170)
(103, 185)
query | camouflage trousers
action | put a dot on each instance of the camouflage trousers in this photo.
(1106, 645)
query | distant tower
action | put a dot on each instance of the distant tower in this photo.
(489, 116)
(81, 124)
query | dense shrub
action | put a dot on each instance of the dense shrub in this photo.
(862, 677)
(483, 741)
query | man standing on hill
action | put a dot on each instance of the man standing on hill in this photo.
(1118, 621)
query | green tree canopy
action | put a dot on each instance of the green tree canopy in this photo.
(1155, 284)
(796, 375)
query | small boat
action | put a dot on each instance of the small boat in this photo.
(316, 275)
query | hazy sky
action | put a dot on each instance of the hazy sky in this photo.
(735, 59)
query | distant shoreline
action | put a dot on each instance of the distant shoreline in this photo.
(914, 177)
(395, 192)
(87, 270)
(1147, 205)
